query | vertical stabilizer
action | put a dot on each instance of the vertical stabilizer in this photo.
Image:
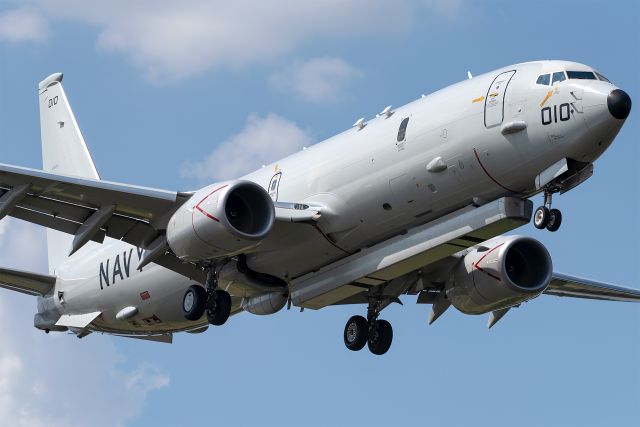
(63, 151)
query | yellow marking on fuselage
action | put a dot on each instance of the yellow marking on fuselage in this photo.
(275, 168)
(477, 99)
(546, 98)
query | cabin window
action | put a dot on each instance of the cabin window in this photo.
(581, 75)
(544, 79)
(603, 78)
(402, 132)
(558, 77)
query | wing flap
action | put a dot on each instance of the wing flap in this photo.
(26, 282)
(563, 285)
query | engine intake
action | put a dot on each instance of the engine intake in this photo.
(500, 273)
(221, 220)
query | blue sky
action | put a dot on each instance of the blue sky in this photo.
(178, 94)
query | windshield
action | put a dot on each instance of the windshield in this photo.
(581, 75)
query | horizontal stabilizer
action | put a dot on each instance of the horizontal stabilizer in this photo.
(77, 320)
(26, 282)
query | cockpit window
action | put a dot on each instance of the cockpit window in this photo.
(558, 77)
(581, 75)
(544, 79)
(603, 78)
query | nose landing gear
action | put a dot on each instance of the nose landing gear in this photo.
(215, 302)
(544, 217)
(377, 334)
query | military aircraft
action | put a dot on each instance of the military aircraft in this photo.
(412, 202)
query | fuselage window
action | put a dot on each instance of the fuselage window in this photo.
(402, 132)
(603, 78)
(544, 79)
(558, 77)
(581, 75)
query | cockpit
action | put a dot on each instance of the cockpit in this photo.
(560, 76)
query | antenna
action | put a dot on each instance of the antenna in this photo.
(360, 124)
(387, 112)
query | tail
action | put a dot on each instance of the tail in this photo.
(63, 151)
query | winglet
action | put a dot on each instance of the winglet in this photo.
(53, 78)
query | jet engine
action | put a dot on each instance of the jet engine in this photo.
(500, 273)
(221, 220)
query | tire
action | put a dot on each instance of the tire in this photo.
(541, 217)
(220, 308)
(381, 342)
(356, 332)
(194, 302)
(555, 219)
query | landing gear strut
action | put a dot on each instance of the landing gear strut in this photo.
(377, 334)
(545, 217)
(215, 302)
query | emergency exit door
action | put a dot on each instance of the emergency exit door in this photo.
(494, 101)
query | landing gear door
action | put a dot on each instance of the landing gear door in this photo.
(494, 101)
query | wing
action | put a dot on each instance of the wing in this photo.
(563, 285)
(25, 282)
(88, 208)
(430, 244)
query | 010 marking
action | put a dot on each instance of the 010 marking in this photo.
(548, 117)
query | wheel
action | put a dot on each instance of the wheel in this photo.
(541, 217)
(194, 302)
(555, 219)
(219, 307)
(356, 332)
(380, 340)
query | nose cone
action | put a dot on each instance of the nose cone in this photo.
(619, 104)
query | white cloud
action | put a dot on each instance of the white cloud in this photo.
(25, 24)
(171, 40)
(57, 380)
(317, 80)
(262, 141)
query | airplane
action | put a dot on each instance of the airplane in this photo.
(414, 202)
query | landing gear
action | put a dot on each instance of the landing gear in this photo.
(215, 302)
(377, 334)
(356, 332)
(380, 337)
(541, 217)
(544, 217)
(194, 302)
(218, 307)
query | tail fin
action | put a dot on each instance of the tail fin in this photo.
(63, 151)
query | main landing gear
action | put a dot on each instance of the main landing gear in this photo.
(545, 217)
(216, 302)
(377, 334)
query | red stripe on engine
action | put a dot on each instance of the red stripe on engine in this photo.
(205, 213)
(477, 264)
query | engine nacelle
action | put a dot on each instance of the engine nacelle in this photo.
(221, 220)
(265, 304)
(500, 273)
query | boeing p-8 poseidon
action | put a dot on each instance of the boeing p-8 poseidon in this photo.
(412, 202)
